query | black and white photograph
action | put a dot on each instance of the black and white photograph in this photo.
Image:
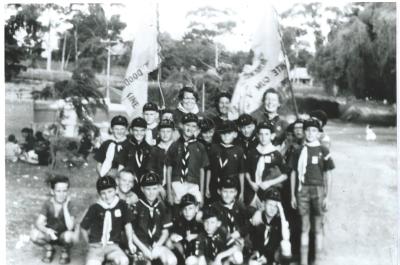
(200, 132)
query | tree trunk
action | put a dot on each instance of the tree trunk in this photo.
(76, 46)
(63, 52)
(66, 63)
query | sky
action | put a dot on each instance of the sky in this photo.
(172, 18)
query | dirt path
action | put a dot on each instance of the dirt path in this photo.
(361, 227)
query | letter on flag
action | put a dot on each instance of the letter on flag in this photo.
(144, 59)
(268, 69)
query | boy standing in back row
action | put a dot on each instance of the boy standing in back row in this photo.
(311, 198)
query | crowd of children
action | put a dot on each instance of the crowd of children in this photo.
(206, 191)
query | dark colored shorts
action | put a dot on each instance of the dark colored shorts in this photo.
(309, 200)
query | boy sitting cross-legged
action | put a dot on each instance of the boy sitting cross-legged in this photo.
(56, 222)
(151, 221)
(103, 224)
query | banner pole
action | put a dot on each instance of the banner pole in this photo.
(159, 56)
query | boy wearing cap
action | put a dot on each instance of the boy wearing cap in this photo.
(247, 138)
(159, 152)
(186, 160)
(270, 238)
(103, 224)
(265, 167)
(215, 245)
(151, 116)
(151, 221)
(322, 118)
(185, 231)
(56, 222)
(137, 156)
(314, 180)
(109, 154)
(125, 184)
(226, 160)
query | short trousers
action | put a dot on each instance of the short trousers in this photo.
(179, 189)
(97, 253)
(309, 200)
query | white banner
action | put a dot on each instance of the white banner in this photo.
(268, 68)
(144, 60)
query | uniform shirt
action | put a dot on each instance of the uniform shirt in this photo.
(120, 148)
(157, 162)
(197, 159)
(150, 220)
(280, 125)
(94, 219)
(85, 146)
(318, 161)
(292, 156)
(211, 246)
(218, 122)
(136, 157)
(246, 143)
(56, 222)
(274, 167)
(234, 218)
(183, 227)
(266, 237)
(225, 161)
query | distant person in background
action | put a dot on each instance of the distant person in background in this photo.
(86, 144)
(269, 112)
(222, 105)
(188, 99)
(42, 149)
(12, 149)
(29, 140)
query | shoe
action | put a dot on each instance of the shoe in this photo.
(48, 255)
(64, 257)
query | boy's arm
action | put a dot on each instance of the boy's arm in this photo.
(252, 183)
(98, 168)
(169, 179)
(226, 253)
(241, 178)
(163, 238)
(327, 185)
(85, 235)
(268, 183)
(293, 189)
(208, 180)
(129, 233)
(68, 218)
(202, 182)
(146, 251)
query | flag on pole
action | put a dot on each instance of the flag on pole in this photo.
(144, 59)
(269, 68)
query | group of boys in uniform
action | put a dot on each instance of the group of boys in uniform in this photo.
(198, 191)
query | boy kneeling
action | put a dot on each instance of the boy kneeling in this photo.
(103, 224)
(56, 222)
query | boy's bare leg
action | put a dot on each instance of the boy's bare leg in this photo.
(305, 229)
(318, 238)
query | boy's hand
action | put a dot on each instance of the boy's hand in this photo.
(294, 202)
(208, 193)
(175, 238)
(51, 233)
(190, 237)
(147, 253)
(265, 185)
(325, 204)
(254, 186)
(217, 261)
(235, 235)
(241, 197)
(256, 219)
(132, 247)
(67, 200)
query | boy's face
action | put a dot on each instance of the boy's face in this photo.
(166, 134)
(228, 195)
(208, 135)
(190, 211)
(108, 195)
(248, 130)
(151, 192)
(211, 225)
(271, 208)
(227, 138)
(189, 129)
(60, 192)
(24, 134)
(150, 116)
(138, 133)
(265, 136)
(167, 116)
(125, 182)
(312, 134)
(223, 105)
(271, 102)
(119, 131)
(188, 101)
(298, 131)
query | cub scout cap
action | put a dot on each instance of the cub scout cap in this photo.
(269, 194)
(149, 179)
(206, 124)
(245, 119)
(188, 199)
(119, 120)
(138, 122)
(312, 123)
(227, 127)
(150, 106)
(297, 124)
(320, 115)
(266, 125)
(104, 183)
(189, 117)
(229, 182)
(166, 124)
(209, 212)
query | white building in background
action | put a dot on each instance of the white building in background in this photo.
(300, 78)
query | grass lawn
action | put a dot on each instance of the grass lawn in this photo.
(361, 227)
